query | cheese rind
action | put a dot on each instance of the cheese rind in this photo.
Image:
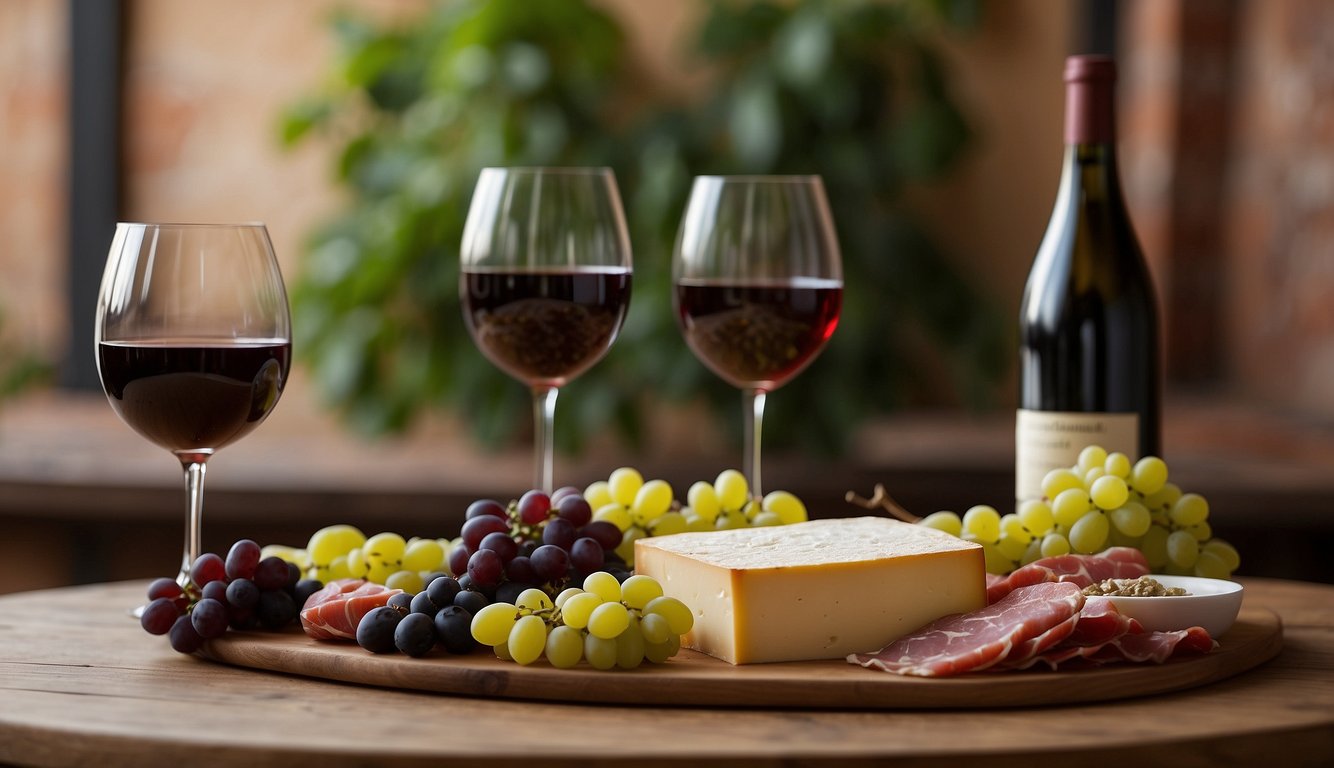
(815, 590)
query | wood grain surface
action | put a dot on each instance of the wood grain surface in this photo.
(694, 679)
(81, 684)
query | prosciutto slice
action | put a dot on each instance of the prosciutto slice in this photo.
(974, 641)
(1081, 570)
(1157, 647)
(334, 612)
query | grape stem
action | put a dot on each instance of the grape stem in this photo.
(881, 500)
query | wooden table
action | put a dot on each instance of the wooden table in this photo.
(81, 684)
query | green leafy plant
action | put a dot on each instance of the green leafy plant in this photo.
(856, 91)
(20, 368)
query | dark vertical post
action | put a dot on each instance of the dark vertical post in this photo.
(94, 171)
(1095, 27)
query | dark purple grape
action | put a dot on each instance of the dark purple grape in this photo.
(551, 562)
(401, 602)
(559, 532)
(574, 509)
(501, 544)
(620, 574)
(422, 603)
(242, 593)
(458, 560)
(485, 567)
(159, 615)
(453, 627)
(276, 609)
(561, 493)
(184, 638)
(243, 618)
(170, 589)
(304, 589)
(375, 633)
(509, 591)
(485, 507)
(521, 569)
(242, 559)
(604, 533)
(471, 601)
(442, 590)
(477, 528)
(415, 634)
(586, 555)
(207, 567)
(533, 507)
(271, 573)
(215, 590)
(209, 618)
(527, 547)
(430, 577)
(293, 576)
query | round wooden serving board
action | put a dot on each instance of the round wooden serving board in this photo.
(697, 680)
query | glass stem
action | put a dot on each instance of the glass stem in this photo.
(754, 413)
(544, 438)
(194, 513)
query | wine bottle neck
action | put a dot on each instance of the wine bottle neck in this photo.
(1090, 83)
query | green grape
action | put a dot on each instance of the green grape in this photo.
(1154, 547)
(388, 547)
(1109, 492)
(321, 573)
(655, 627)
(1032, 552)
(1060, 479)
(616, 514)
(1069, 506)
(1182, 549)
(948, 522)
(291, 554)
(659, 653)
(731, 489)
(423, 555)
(1089, 533)
(730, 519)
(652, 500)
(604, 585)
(982, 521)
(598, 494)
(639, 590)
(332, 541)
(1132, 519)
(600, 652)
(609, 620)
(1054, 544)
(338, 569)
(787, 506)
(630, 648)
(534, 599)
(1164, 498)
(1190, 509)
(379, 571)
(695, 523)
(766, 520)
(578, 608)
(1202, 531)
(751, 509)
(566, 594)
(1211, 566)
(1223, 551)
(356, 563)
(408, 581)
(1092, 476)
(1092, 456)
(1036, 517)
(624, 484)
(1173, 569)
(565, 647)
(492, 625)
(1117, 465)
(1149, 475)
(995, 562)
(668, 524)
(703, 500)
(1115, 538)
(626, 549)
(1013, 549)
(1013, 528)
(502, 651)
(527, 639)
(678, 616)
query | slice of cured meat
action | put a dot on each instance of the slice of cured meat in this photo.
(974, 641)
(1157, 647)
(334, 612)
(1082, 570)
(1097, 623)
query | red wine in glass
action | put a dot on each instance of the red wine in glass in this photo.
(190, 396)
(757, 335)
(545, 327)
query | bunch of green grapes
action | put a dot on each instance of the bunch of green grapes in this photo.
(344, 552)
(1102, 501)
(641, 509)
(608, 623)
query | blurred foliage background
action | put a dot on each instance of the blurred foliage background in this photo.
(855, 90)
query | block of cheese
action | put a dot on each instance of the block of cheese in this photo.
(815, 590)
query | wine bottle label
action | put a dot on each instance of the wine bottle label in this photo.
(1046, 440)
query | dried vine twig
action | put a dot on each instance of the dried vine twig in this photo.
(881, 500)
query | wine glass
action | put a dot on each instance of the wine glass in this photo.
(545, 280)
(758, 285)
(193, 342)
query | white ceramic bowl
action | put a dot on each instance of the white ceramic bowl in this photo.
(1211, 603)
